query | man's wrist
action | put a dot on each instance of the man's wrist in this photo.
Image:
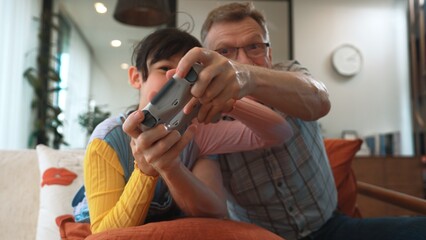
(171, 170)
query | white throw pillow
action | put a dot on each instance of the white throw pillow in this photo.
(57, 188)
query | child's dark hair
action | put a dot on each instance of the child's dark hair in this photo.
(161, 44)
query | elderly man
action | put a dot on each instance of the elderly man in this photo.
(288, 189)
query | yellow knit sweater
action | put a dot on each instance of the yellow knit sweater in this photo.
(125, 205)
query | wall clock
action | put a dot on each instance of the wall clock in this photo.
(347, 60)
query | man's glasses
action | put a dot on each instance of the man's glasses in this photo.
(253, 50)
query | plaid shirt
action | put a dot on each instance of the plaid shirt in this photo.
(287, 189)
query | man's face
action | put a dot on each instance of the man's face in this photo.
(224, 36)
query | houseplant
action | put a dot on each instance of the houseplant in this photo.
(44, 80)
(89, 120)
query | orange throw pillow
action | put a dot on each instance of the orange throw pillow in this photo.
(71, 230)
(189, 228)
(340, 154)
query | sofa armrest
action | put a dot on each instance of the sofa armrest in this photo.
(393, 197)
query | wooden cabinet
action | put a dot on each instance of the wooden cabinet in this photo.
(402, 174)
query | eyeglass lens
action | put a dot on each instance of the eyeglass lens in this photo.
(252, 50)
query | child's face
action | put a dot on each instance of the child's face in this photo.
(157, 78)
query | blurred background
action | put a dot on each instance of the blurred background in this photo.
(91, 51)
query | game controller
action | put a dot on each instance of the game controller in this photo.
(166, 106)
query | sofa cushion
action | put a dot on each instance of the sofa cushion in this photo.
(61, 176)
(189, 228)
(340, 154)
(19, 194)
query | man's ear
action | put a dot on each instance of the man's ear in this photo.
(135, 77)
(268, 58)
(270, 54)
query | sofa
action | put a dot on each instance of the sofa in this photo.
(28, 209)
(37, 187)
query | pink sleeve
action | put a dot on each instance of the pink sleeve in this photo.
(257, 126)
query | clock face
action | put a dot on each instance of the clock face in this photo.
(347, 60)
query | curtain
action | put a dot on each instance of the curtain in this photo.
(19, 26)
(18, 48)
(77, 80)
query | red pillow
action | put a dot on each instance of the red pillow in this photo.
(340, 153)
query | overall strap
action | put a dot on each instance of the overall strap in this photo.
(120, 142)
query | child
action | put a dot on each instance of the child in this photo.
(133, 177)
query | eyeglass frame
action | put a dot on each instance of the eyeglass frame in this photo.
(263, 46)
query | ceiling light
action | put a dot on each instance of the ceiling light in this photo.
(142, 12)
(115, 43)
(124, 66)
(100, 8)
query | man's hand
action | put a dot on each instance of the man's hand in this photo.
(218, 82)
(208, 112)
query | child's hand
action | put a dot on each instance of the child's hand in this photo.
(131, 127)
(158, 147)
(140, 161)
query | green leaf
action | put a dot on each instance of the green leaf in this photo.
(56, 27)
(32, 139)
(31, 75)
(29, 71)
(54, 75)
(56, 89)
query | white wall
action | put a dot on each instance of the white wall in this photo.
(114, 95)
(377, 99)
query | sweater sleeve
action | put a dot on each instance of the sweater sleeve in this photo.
(257, 126)
(112, 203)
